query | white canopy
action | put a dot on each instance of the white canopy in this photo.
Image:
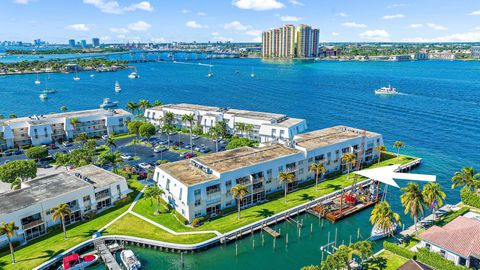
(387, 175)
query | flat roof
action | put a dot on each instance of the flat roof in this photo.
(41, 118)
(256, 115)
(329, 136)
(186, 173)
(40, 189)
(244, 156)
(98, 176)
(187, 107)
(288, 122)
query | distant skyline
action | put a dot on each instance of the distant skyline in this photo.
(57, 21)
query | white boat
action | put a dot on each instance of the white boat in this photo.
(253, 73)
(386, 91)
(43, 96)
(133, 75)
(129, 260)
(210, 73)
(92, 75)
(75, 262)
(378, 233)
(48, 91)
(117, 87)
(76, 78)
(37, 81)
(108, 104)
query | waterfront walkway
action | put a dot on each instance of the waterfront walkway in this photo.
(428, 219)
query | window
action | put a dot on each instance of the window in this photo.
(196, 192)
(180, 193)
(118, 190)
(280, 169)
(198, 202)
(300, 162)
(168, 185)
(310, 159)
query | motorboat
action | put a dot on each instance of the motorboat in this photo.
(117, 87)
(37, 81)
(43, 96)
(92, 75)
(210, 73)
(108, 104)
(75, 262)
(133, 75)
(129, 260)
(386, 91)
(253, 73)
(378, 233)
(76, 78)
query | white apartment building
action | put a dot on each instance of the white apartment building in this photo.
(201, 186)
(48, 128)
(84, 189)
(267, 127)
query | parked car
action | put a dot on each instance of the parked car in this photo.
(52, 146)
(8, 153)
(172, 133)
(182, 155)
(189, 155)
(6, 161)
(126, 157)
(142, 175)
(197, 149)
(163, 142)
(204, 150)
(17, 152)
(194, 137)
(105, 137)
(145, 166)
(67, 144)
(159, 149)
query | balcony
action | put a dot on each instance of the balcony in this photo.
(213, 191)
(99, 197)
(291, 169)
(258, 179)
(244, 181)
(32, 224)
(257, 190)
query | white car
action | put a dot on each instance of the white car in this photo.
(105, 137)
(194, 137)
(159, 149)
(67, 144)
(145, 166)
(126, 157)
(172, 133)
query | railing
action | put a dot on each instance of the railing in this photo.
(258, 179)
(101, 196)
(244, 182)
(32, 224)
(212, 191)
(256, 190)
(291, 169)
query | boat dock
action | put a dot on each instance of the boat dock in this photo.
(271, 231)
(106, 256)
(428, 220)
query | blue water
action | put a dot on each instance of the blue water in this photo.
(436, 115)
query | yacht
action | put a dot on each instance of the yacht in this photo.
(378, 234)
(129, 259)
(210, 73)
(37, 81)
(75, 262)
(43, 96)
(117, 87)
(253, 73)
(107, 104)
(386, 91)
(133, 75)
(76, 78)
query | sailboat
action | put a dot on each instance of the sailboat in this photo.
(76, 78)
(37, 81)
(253, 73)
(48, 91)
(117, 87)
(210, 73)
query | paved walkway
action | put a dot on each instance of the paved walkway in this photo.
(430, 218)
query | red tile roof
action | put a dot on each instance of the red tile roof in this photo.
(414, 265)
(461, 236)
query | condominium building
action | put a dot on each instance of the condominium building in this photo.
(267, 127)
(475, 51)
(86, 189)
(48, 128)
(443, 55)
(201, 186)
(285, 42)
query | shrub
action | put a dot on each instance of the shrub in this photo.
(180, 218)
(452, 216)
(240, 142)
(436, 260)
(197, 130)
(26, 146)
(123, 201)
(197, 221)
(310, 267)
(394, 248)
(37, 152)
(470, 197)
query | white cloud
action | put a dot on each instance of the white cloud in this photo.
(194, 24)
(185, 11)
(201, 14)
(395, 16)
(144, 5)
(416, 25)
(377, 34)
(254, 33)
(217, 37)
(78, 27)
(436, 26)
(397, 5)
(477, 28)
(342, 14)
(120, 30)
(335, 34)
(235, 25)
(354, 25)
(139, 26)
(113, 7)
(296, 3)
(157, 39)
(23, 2)
(257, 39)
(458, 37)
(475, 13)
(258, 4)
(290, 18)
(105, 38)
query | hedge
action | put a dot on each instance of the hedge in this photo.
(451, 216)
(436, 260)
(470, 197)
(394, 248)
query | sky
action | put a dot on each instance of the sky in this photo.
(56, 21)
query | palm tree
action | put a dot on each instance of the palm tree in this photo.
(110, 142)
(157, 103)
(412, 200)
(466, 177)
(111, 158)
(144, 104)
(238, 192)
(433, 196)
(63, 108)
(188, 118)
(380, 149)
(240, 127)
(286, 178)
(74, 122)
(317, 169)
(154, 193)
(364, 248)
(383, 218)
(348, 159)
(82, 137)
(8, 229)
(214, 134)
(398, 145)
(60, 212)
(248, 129)
(132, 107)
(167, 128)
(168, 117)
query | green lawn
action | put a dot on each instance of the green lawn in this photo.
(123, 136)
(134, 226)
(274, 206)
(386, 260)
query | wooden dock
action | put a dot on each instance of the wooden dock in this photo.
(271, 231)
(106, 256)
